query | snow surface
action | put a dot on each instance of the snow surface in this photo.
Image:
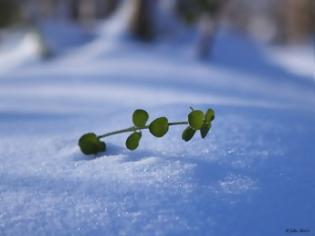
(253, 174)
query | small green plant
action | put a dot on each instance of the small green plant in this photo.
(90, 143)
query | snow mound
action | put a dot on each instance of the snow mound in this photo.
(298, 60)
(17, 49)
(244, 171)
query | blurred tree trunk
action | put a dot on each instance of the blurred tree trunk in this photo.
(206, 28)
(209, 20)
(100, 8)
(74, 9)
(299, 20)
(9, 12)
(142, 21)
(105, 8)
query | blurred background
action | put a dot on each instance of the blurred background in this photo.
(271, 41)
(62, 24)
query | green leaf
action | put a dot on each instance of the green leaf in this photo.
(205, 129)
(195, 119)
(101, 146)
(132, 141)
(209, 116)
(140, 118)
(188, 133)
(90, 144)
(159, 127)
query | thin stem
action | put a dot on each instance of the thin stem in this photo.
(133, 129)
(178, 123)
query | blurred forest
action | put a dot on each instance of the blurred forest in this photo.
(276, 21)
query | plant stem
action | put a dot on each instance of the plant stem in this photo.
(133, 129)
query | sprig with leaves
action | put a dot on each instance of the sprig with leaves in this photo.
(197, 120)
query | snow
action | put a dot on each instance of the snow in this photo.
(17, 49)
(297, 60)
(253, 174)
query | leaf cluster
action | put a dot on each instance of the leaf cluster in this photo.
(198, 120)
(157, 128)
(90, 143)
